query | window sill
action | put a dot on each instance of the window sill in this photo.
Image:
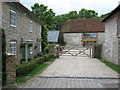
(30, 31)
(12, 26)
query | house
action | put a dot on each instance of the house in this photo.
(83, 32)
(22, 29)
(110, 50)
(53, 36)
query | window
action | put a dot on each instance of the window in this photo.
(13, 48)
(30, 50)
(13, 18)
(89, 36)
(118, 31)
(30, 26)
(40, 29)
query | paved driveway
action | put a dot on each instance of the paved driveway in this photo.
(74, 72)
(75, 66)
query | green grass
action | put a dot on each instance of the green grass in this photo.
(51, 60)
(111, 65)
(33, 73)
(23, 78)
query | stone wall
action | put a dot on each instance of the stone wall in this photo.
(101, 38)
(20, 31)
(0, 58)
(11, 69)
(110, 47)
(0, 14)
(119, 51)
(73, 39)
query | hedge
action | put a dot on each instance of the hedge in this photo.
(27, 67)
(3, 56)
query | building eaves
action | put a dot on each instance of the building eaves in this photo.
(24, 10)
(112, 13)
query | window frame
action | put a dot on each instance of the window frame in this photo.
(13, 48)
(30, 26)
(13, 19)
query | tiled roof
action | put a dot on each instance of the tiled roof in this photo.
(53, 35)
(83, 25)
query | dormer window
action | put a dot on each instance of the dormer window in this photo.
(30, 26)
(13, 18)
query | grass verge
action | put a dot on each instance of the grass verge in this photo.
(51, 60)
(24, 78)
(111, 65)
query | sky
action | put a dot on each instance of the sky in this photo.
(64, 6)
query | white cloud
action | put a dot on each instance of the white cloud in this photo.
(64, 6)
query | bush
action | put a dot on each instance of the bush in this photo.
(3, 56)
(46, 50)
(27, 67)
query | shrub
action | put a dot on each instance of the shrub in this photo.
(27, 67)
(3, 56)
(46, 50)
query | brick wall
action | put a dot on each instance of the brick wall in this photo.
(11, 69)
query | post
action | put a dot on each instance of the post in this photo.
(11, 69)
(93, 51)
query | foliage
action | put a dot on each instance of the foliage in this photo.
(22, 45)
(46, 50)
(23, 79)
(83, 13)
(61, 39)
(3, 57)
(30, 45)
(111, 65)
(44, 35)
(27, 67)
(104, 15)
(44, 14)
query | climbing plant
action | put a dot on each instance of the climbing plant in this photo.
(44, 35)
(3, 57)
(61, 39)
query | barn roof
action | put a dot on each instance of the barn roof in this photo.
(83, 25)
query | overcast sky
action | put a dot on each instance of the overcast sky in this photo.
(64, 6)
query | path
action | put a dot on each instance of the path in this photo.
(75, 72)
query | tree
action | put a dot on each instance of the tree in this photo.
(44, 38)
(104, 15)
(44, 14)
(84, 13)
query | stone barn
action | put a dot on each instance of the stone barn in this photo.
(110, 50)
(83, 32)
